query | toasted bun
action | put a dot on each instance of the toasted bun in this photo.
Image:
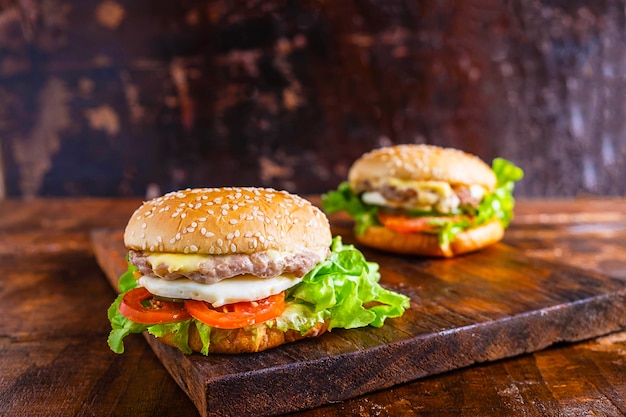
(225, 221)
(428, 244)
(421, 163)
(246, 340)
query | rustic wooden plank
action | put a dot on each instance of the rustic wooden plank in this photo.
(53, 354)
(493, 304)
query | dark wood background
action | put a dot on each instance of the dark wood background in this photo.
(134, 98)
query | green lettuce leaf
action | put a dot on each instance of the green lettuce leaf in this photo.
(127, 281)
(344, 199)
(343, 289)
(122, 327)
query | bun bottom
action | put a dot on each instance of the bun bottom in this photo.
(246, 340)
(425, 244)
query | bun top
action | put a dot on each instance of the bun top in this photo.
(225, 221)
(421, 163)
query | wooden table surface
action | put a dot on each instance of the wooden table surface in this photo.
(54, 360)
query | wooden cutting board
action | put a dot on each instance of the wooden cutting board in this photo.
(488, 305)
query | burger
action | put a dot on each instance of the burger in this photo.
(426, 200)
(233, 270)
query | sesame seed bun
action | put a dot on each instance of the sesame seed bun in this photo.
(421, 163)
(427, 244)
(227, 221)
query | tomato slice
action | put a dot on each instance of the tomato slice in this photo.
(140, 306)
(236, 315)
(405, 224)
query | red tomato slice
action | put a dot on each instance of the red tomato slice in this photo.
(405, 224)
(236, 315)
(140, 306)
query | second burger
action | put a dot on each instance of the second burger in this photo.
(426, 200)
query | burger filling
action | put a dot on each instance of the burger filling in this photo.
(422, 195)
(341, 289)
(410, 206)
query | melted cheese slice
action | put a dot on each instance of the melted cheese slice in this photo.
(176, 262)
(230, 290)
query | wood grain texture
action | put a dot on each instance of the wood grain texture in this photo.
(55, 361)
(486, 306)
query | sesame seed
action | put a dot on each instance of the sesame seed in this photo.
(186, 249)
(233, 221)
(172, 240)
(190, 229)
(193, 248)
(159, 239)
(143, 236)
(220, 242)
(202, 219)
(211, 212)
(203, 231)
(224, 212)
(197, 206)
(233, 247)
(229, 236)
(248, 234)
(237, 233)
(194, 224)
(212, 250)
(182, 216)
(210, 234)
(177, 236)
